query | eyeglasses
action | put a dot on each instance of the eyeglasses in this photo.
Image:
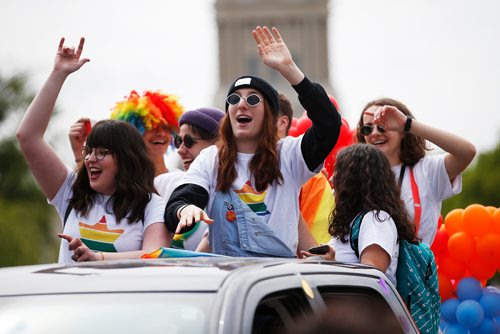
(188, 140)
(99, 153)
(252, 100)
(367, 130)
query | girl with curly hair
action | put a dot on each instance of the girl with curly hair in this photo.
(364, 184)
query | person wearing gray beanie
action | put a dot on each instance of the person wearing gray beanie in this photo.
(199, 129)
(249, 182)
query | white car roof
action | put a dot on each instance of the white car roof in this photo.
(166, 275)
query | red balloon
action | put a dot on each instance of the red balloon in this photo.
(303, 124)
(477, 220)
(480, 269)
(440, 244)
(440, 221)
(295, 121)
(446, 289)
(294, 132)
(450, 267)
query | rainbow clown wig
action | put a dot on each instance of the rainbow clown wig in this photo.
(149, 111)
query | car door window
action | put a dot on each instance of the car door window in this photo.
(278, 312)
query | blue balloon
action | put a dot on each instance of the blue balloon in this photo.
(456, 329)
(490, 302)
(470, 313)
(469, 288)
(488, 326)
(449, 310)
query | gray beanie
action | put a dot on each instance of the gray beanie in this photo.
(207, 119)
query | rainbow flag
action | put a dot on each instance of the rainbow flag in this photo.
(316, 204)
(98, 237)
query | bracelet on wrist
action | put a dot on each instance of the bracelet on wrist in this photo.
(407, 124)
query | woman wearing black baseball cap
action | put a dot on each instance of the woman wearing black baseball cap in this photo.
(249, 182)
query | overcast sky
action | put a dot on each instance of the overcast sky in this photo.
(440, 57)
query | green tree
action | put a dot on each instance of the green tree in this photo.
(26, 220)
(480, 183)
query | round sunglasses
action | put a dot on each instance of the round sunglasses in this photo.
(187, 140)
(252, 100)
(367, 130)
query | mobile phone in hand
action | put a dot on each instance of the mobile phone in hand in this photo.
(319, 250)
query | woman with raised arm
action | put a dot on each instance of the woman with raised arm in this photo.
(249, 182)
(104, 214)
(425, 180)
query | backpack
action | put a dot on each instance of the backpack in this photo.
(416, 277)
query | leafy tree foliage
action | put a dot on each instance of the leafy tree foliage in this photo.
(480, 183)
(26, 220)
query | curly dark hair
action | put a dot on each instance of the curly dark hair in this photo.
(413, 147)
(134, 179)
(363, 181)
(265, 164)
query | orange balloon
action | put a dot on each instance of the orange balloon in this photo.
(453, 221)
(450, 267)
(477, 220)
(445, 287)
(491, 210)
(496, 222)
(480, 269)
(462, 246)
(488, 248)
(440, 243)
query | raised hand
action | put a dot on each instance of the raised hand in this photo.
(275, 54)
(391, 118)
(78, 132)
(67, 59)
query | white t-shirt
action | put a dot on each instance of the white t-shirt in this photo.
(434, 186)
(166, 183)
(278, 204)
(373, 231)
(99, 230)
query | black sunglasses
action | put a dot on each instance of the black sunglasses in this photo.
(252, 100)
(367, 130)
(188, 140)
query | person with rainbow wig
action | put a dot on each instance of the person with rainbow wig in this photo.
(156, 116)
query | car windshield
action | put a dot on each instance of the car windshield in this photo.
(107, 313)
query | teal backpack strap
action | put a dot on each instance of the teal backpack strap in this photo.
(354, 235)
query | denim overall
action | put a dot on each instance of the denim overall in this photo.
(247, 235)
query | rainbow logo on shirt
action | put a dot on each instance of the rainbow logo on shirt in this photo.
(253, 198)
(98, 237)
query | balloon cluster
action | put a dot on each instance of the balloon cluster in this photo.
(346, 136)
(467, 251)
(476, 310)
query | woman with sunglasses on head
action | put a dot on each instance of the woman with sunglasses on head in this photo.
(249, 182)
(425, 180)
(104, 214)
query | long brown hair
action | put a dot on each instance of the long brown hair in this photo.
(413, 147)
(264, 166)
(364, 181)
(134, 179)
